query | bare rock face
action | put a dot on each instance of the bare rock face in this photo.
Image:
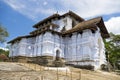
(29, 77)
(21, 71)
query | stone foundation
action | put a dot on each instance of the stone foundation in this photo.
(83, 64)
(45, 60)
(41, 60)
(21, 59)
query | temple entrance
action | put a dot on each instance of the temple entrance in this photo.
(57, 55)
(58, 61)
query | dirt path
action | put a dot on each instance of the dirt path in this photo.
(13, 67)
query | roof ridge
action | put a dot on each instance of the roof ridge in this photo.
(53, 15)
(72, 13)
(56, 15)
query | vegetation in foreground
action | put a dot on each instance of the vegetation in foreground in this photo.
(112, 46)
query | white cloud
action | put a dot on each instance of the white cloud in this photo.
(34, 9)
(4, 48)
(91, 8)
(45, 3)
(113, 25)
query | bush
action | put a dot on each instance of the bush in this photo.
(3, 57)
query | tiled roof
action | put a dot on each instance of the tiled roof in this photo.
(77, 17)
(90, 24)
(19, 37)
(49, 24)
(46, 19)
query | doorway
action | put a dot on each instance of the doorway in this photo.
(57, 55)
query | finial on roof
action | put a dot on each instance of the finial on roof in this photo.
(57, 12)
(69, 10)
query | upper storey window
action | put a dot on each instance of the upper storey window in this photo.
(73, 23)
(65, 22)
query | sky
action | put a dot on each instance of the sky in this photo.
(18, 16)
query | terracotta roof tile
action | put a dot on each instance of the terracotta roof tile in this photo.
(49, 24)
(46, 19)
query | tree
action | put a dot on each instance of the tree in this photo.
(112, 46)
(3, 34)
(6, 52)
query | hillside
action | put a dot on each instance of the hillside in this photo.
(20, 71)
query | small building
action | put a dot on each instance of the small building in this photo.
(66, 38)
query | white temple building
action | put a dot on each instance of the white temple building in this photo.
(67, 37)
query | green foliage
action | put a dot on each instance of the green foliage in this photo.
(4, 52)
(113, 49)
(4, 55)
(3, 34)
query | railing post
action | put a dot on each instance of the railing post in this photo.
(80, 75)
(40, 67)
(71, 75)
(66, 72)
(42, 78)
(57, 74)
